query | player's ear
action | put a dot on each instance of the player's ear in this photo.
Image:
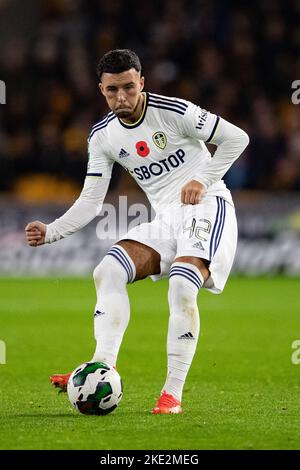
(142, 82)
(101, 88)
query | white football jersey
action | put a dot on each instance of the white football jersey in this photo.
(163, 150)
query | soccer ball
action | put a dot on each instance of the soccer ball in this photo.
(95, 388)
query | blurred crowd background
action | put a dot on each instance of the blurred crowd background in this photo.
(237, 59)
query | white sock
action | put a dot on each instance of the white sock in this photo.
(184, 324)
(112, 311)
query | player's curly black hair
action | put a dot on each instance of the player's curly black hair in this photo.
(117, 61)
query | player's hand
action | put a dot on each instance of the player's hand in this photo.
(35, 233)
(192, 192)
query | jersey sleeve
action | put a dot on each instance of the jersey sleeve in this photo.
(99, 163)
(89, 203)
(199, 123)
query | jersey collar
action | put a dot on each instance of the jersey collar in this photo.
(141, 118)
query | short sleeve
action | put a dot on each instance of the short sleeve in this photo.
(199, 123)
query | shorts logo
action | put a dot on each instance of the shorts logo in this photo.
(198, 245)
(142, 148)
(160, 139)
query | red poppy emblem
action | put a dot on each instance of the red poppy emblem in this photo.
(142, 148)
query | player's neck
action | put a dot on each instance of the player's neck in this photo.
(137, 111)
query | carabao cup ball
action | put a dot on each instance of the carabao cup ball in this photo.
(95, 388)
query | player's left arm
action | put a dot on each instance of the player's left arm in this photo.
(230, 140)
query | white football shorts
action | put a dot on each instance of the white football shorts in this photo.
(207, 230)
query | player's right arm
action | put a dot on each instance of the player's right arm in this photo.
(85, 208)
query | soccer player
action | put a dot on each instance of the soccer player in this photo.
(160, 140)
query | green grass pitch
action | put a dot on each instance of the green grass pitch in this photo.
(243, 392)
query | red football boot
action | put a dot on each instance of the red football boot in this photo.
(60, 381)
(167, 404)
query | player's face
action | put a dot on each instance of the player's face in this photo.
(122, 92)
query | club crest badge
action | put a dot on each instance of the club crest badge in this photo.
(160, 139)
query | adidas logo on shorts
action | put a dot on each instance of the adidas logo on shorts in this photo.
(198, 245)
